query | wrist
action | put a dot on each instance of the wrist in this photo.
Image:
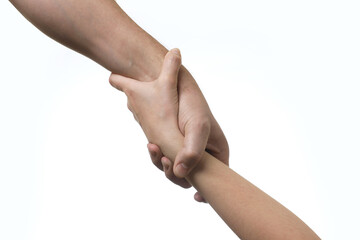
(141, 58)
(207, 167)
(171, 145)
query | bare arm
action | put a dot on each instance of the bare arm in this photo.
(100, 30)
(248, 211)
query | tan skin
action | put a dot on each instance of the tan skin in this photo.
(248, 211)
(102, 31)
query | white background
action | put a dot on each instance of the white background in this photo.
(281, 77)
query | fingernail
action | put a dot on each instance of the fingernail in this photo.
(165, 166)
(184, 165)
(176, 51)
(152, 153)
(182, 169)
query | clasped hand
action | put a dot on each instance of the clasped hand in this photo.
(155, 104)
(166, 119)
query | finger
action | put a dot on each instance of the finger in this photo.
(155, 155)
(168, 169)
(199, 198)
(121, 83)
(196, 137)
(171, 66)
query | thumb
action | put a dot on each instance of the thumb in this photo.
(121, 83)
(195, 141)
(171, 66)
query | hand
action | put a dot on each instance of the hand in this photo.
(201, 131)
(155, 104)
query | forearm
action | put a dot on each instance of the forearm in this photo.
(248, 211)
(100, 30)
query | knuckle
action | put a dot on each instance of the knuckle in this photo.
(201, 122)
(204, 124)
(129, 106)
(128, 92)
(192, 155)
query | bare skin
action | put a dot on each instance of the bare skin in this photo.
(102, 31)
(248, 211)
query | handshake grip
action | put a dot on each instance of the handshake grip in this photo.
(155, 104)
